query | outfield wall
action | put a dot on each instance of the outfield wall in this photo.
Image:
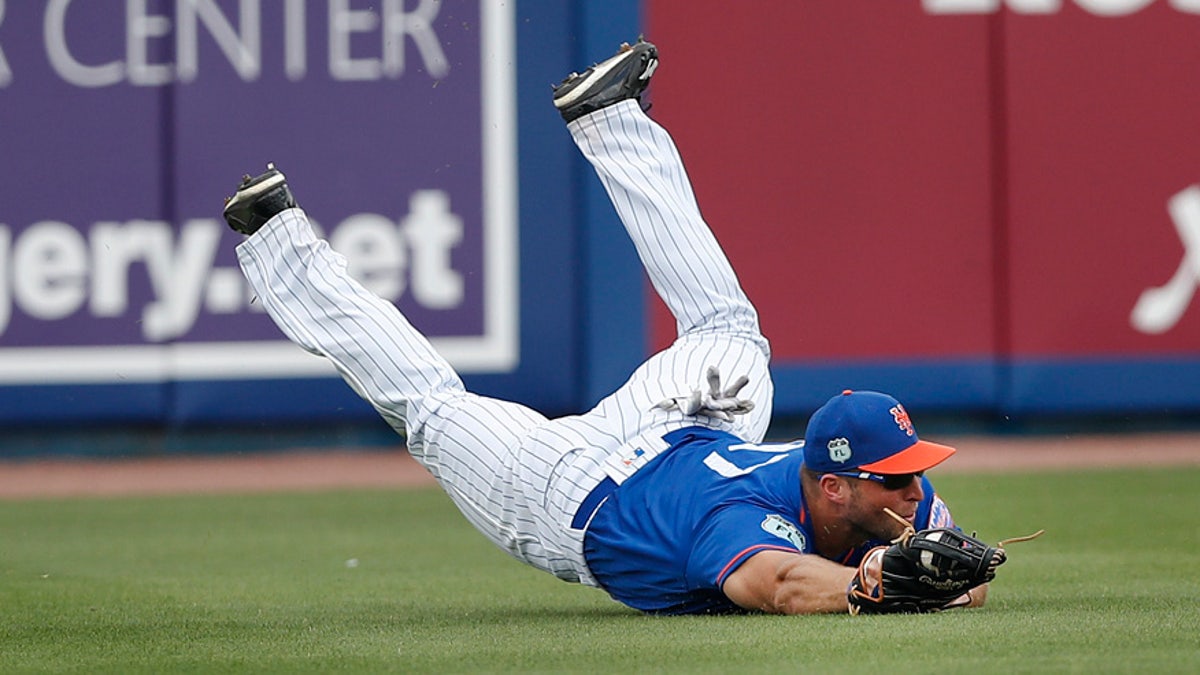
(980, 206)
(976, 204)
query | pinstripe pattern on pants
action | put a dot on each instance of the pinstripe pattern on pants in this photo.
(517, 476)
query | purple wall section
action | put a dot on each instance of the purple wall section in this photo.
(123, 127)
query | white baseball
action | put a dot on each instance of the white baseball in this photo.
(927, 556)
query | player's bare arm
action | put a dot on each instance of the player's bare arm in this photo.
(780, 582)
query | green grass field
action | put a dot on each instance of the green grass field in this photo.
(396, 581)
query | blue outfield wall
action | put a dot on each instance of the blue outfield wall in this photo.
(581, 297)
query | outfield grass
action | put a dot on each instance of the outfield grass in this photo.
(396, 581)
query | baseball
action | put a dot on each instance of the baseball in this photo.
(927, 556)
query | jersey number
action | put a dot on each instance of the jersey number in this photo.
(728, 469)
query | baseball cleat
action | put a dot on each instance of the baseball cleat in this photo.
(257, 200)
(623, 76)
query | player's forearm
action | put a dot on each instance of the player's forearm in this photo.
(809, 584)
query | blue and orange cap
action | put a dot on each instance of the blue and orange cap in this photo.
(868, 431)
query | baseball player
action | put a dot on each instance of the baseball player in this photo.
(664, 494)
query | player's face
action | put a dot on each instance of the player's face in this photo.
(869, 498)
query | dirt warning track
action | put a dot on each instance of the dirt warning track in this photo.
(341, 469)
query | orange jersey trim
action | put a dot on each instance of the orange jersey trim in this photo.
(745, 553)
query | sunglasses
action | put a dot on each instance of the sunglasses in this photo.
(890, 481)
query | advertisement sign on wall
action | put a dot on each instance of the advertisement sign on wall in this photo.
(123, 125)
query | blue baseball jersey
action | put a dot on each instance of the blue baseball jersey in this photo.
(667, 539)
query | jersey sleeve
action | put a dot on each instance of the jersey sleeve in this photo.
(734, 534)
(932, 512)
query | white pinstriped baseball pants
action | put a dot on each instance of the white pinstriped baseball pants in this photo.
(517, 476)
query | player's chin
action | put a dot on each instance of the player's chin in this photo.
(888, 529)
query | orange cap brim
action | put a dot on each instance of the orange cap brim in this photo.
(920, 456)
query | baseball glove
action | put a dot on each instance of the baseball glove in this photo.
(924, 571)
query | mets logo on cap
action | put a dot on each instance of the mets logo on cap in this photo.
(901, 416)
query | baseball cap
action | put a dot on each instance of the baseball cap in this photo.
(870, 431)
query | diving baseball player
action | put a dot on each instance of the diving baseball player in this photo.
(663, 494)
